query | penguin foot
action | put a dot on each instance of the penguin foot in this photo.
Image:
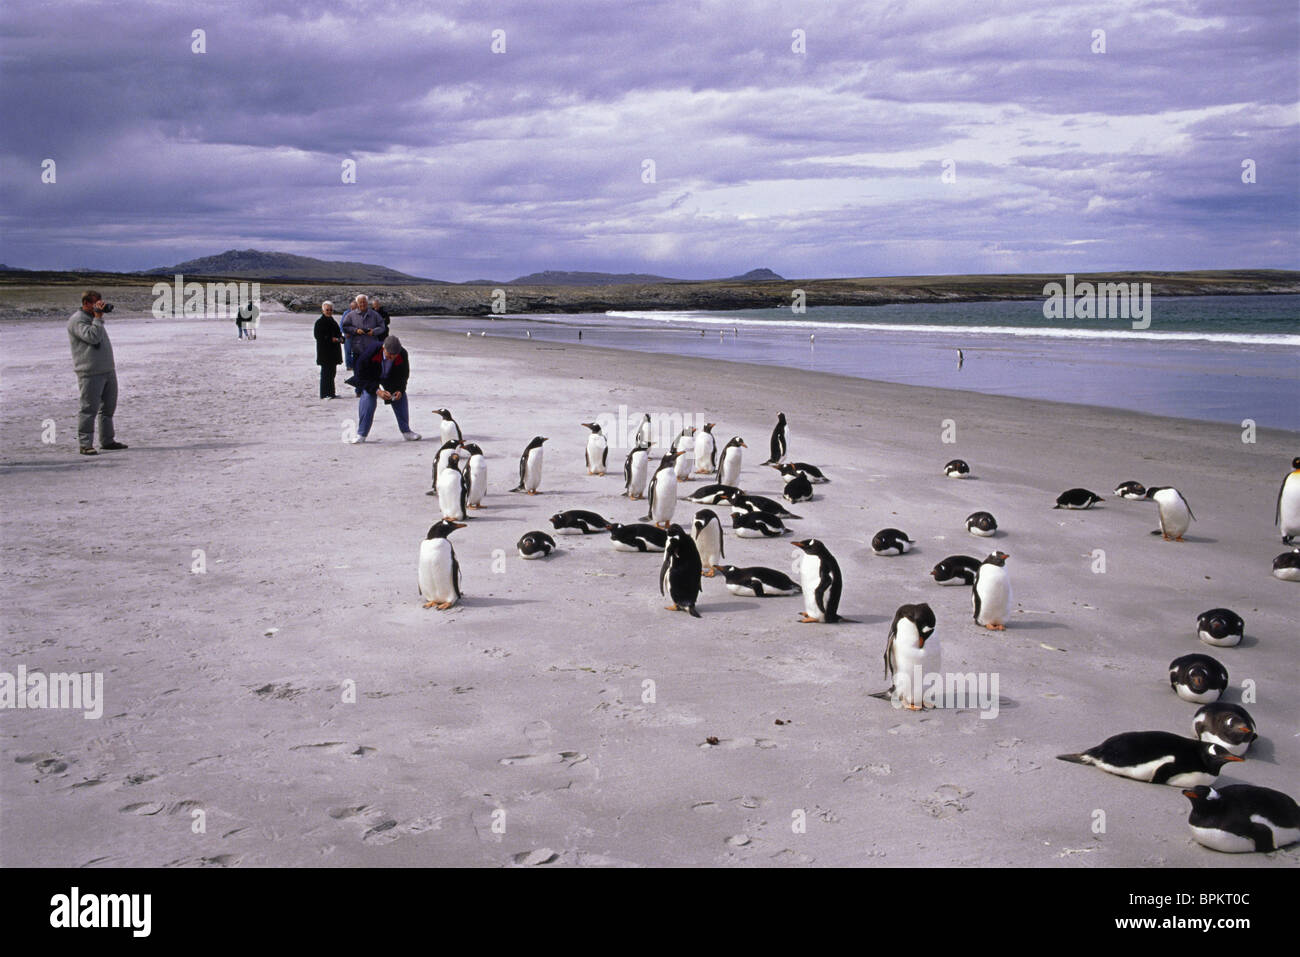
(805, 620)
(430, 604)
(1179, 538)
(996, 627)
(708, 573)
(670, 607)
(532, 491)
(913, 707)
(443, 606)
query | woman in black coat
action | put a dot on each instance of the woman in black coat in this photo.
(329, 352)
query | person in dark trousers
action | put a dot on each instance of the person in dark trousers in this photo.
(383, 314)
(92, 360)
(380, 372)
(329, 350)
(394, 373)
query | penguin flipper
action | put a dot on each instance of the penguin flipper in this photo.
(694, 613)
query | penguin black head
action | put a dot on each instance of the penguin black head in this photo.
(675, 531)
(453, 461)
(1295, 463)
(997, 558)
(1215, 756)
(736, 440)
(472, 448)
(708, 427)
(812, 546)
(922, 616)
(450, 444)
(594, 426)
(1200, 794)
(780, 418)
(442, 412)
(536, 442)
(443, 528)
(703, 517)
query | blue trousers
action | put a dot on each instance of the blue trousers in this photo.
(366, 413)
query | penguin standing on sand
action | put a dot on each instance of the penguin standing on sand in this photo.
(911, 653)
(706, 530)
(1198, 678)
(730, 460)
(530, 467)
(449, 428)
(1241, 818)
(679, 576)
(477, 476)
(820, 578)
(683, 444)
(452, 491)
(1175, 514)
(597, 449)
(439, 572)
(645, 432)
(535, 545)
(635, 467)
(1228, 725)
(1156, 756)
(780, 441)
(1221, 627)
(663, 491)
(706, 450)
(991, 595)
(1288, 504)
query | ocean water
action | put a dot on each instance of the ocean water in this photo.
(1215, 358)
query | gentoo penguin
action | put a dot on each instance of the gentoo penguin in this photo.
(706, 530)
(991, 595)
(1175, 513)
(453, 493)
(1198, 678)
(798, 489)
(820, 579)
(645, 432)
(445, 452)
(1156, 756)
(713, 494)
(683, 444)
(597, 449)
(535, 545)
(439, 572)
(1241, 818)
(530, 467)
(577, 521)
(477, 475)
(890, 541)
(957, 469)
(1228, 725)
(1221, 627)
(911, 652)
(757, 582)
(792, 470)
(956, 570)
(637, 538)
(982, 524)
(1288, 504)
(679, 576)
(1131, 490)
(635, 468)
(739, 501)
(1287, 566)
(449, 427)
(663, 491)
(757, 525)
(729, 461)
(1077, 498)
(780, 441)
(706, 450)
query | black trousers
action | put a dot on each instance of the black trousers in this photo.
(327, 381)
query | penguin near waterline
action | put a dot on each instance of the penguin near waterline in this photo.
(679, 576)
(956, 469)
(714, 494)
(821, 582)
(1242, 818)
(780, 441)
(1159, 757)
(890, 541)
(448, 427)
(530, 467)
(798, 489)
(729, 461)
(663, 491)
(1287, 517)
(477, 475)
(956, 570)
(991, 594)
(1221, 627)
(637, 537)
(706, 450)
(1286, 566)
(706, 530)
(1228, 725)
(757, 582)
(535, 545)
(1134, 491)
(438, 573)
(683, 444)
(577, 521)
(597, 449)
(1198, 678)
(635, 469)
(757, 525)
(645, 432)
(1077, 498)
(743, 502)
(1175, 514)
(982, 524)
(911, 652)
(453, 491)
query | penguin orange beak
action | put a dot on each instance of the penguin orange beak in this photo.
(459, 525)
(1233, 757)
(1190, 794)
(743, 445)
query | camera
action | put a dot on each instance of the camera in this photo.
(108, 307)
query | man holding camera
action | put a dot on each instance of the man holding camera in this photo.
(92, 359)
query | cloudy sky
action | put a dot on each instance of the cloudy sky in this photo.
(472, 163)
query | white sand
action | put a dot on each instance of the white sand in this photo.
(528, 696)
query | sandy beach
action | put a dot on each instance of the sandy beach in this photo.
(245, 581)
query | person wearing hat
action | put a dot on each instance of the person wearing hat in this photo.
(381, 373)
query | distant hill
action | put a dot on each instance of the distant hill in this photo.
(286, 267)
(557, 277)
(757, 275)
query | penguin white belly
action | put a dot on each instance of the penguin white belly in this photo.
(909, 682)
(994, 589)
(435, 571)
(1205, 697)
(743, 532)
(709, 544)
(1227, 641)
(477, 480)
(448, 431)
(810, 576)
(730, 471)
(704, 446)
(1287, 574)
(682, 467)
(1138, 772)
(449, 486)
(637, 487)
(1175, 517)
(1191, 779)
(533, 470)
(1209, 737)
(1225, 841)
(1290, 505)
(443, 458)
(596, 448)
(665, 497)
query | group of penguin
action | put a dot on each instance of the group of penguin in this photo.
(1234, 818)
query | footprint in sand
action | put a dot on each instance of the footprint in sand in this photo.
(732, 744)
(543, 855)
(44, 762)
(378, 827)
(538, 733)
(278, 691)
(146, 808)
(553, 757)
(946, 801)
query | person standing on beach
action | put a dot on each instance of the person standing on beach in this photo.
(92, 360)
(383, 314)
(328, 350)
(347, 339)
(361, 323)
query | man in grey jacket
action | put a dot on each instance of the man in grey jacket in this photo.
(92, 359)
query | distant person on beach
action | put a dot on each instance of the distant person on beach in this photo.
(380, 372)
(247, 319)
(239, 323)
(361, 323)
(92, 360)
(383, 314)
(347, 339)
(329, 351)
